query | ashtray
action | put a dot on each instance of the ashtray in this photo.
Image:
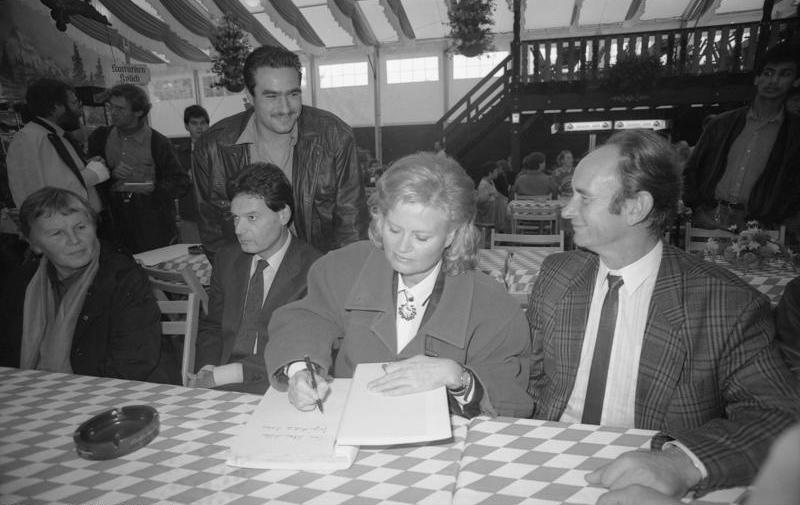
(196, 249)
(116, 432)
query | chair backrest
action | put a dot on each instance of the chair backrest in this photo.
(540, 198)
(521, 241)
(542, 222)
(182, 282)
(181, 315)
(697, 238)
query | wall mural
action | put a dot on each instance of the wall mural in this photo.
(32, 47)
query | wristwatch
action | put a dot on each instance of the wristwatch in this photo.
(464, 383)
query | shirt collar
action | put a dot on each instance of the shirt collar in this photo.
(423, 289)
(276, 259)
(250, 133)
(59, 131)
(634, 275)
(775, 118)
(138, 136)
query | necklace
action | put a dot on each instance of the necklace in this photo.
(407, 310)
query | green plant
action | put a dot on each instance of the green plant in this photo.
(634, 73)
(230, 42)
(470, 26)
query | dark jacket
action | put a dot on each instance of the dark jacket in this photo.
(775, 196)
(787, 322)
(330, 209)
(118, 333)
(218, 330)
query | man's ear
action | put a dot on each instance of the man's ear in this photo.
(638, 207)
(285, 215)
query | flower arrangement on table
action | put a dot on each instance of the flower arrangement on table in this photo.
(751, 247)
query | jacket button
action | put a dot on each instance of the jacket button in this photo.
(85, 317)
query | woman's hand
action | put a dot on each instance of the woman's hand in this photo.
(301, 392)
(416, 374)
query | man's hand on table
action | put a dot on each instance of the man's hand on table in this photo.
(203, 379)
(670, 472)
(637, 495)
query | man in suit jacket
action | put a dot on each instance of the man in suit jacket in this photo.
(264, 271)
(692, 352)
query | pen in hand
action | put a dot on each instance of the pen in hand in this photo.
(310, 369)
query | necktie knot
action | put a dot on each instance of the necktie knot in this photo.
(614, 282)
(260, 266)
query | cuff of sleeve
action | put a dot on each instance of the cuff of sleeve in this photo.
(695, 460)
(232, 373)
(293, 368)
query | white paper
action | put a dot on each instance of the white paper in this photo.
(378, 419)
(278, 436)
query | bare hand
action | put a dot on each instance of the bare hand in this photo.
(670, 472)
(203, 379)
(302, 394)
(416, 374)
(637, 495)
(123, 170)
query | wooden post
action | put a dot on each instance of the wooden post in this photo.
(515, 78)
(763, 33)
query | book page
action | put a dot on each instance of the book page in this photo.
(378, 419)
(280, 436)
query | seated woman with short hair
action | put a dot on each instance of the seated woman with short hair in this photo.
(410, 297)
(82, 308)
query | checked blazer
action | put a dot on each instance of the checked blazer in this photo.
(217, 331)
(710, 374)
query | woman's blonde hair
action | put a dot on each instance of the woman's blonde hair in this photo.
(434, 181)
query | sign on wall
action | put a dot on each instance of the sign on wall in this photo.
(130, 73)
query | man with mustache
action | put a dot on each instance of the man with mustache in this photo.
(315, 150)
(745, 164)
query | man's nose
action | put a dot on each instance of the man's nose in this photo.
(568, 211)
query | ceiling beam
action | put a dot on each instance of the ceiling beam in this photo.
(349, 15)
(635, 11)
(398, 17)
(574, 22)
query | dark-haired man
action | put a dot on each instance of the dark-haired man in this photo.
(265, 270)
(632, 332)
(146, 175)
(315, 150)
(196, 121)
(41, 155)
(746, 164)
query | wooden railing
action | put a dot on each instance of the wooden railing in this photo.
(687, 51)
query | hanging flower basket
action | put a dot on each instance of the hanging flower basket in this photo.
(230, 42)
(470, 26)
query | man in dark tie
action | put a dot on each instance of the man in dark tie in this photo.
(265, 270)
(632, 332)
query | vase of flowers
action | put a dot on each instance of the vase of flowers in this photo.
(470, 26)
(754, 246)
(230, 43)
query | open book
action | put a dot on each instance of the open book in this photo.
(277, 435)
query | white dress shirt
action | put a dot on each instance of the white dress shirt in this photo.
(421, 293)
(639, 279)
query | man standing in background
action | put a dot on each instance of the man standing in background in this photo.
(315, 150)
(146, 174)
(196, 121)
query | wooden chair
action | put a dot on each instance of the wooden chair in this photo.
(544, 222)
(521, 241)
(181, 315)
(538, 198)
(696, 239)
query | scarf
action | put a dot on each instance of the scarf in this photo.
(46, 329)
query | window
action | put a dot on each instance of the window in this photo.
(412, 70)
(343, 74)
(477, 67)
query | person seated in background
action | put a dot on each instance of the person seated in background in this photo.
(631, 332)
(532, 181)
(264, 270)
(82, 308)
(562, 174)
(787, 322)
(410, 297)
(491, 204)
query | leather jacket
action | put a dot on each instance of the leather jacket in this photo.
(330, 207)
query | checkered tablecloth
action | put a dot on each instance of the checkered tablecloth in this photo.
(198, 263)
(521, 461)
(522, 269)
(185, 463)
(770, 279)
